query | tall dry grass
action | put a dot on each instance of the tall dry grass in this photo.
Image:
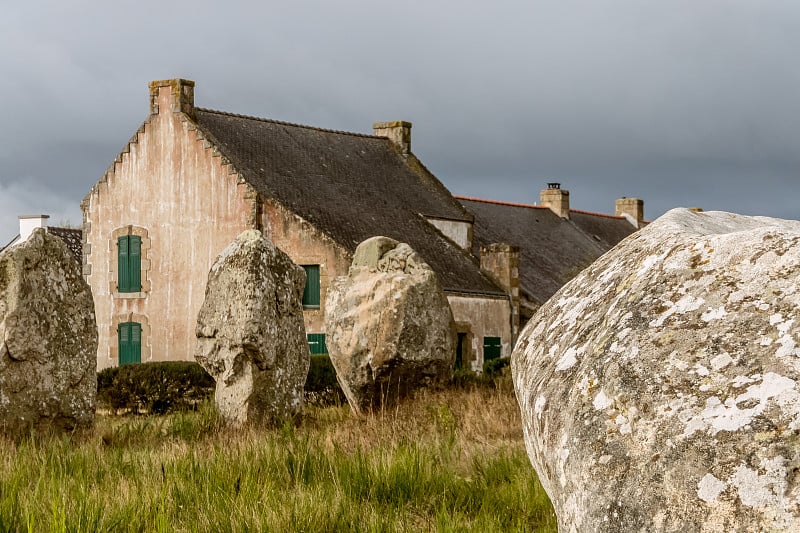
(444, 461)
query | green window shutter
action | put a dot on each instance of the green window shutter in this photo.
(311, 292)
(124, 339)
(129, 263)
(492, 348)
(135, 262)
(130, 343)
(123, 271)
(316, 344)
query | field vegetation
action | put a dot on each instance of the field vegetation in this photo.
(445, 461)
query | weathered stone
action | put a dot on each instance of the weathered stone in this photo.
(48, 339)
(660, 388)
(389, 326)
(250, 332)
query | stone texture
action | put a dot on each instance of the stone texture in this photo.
(250, 333)
(389, 326)
(48, 339)
(659, 389)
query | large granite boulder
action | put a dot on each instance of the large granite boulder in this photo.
(48, 339)
(250, 332)
(389, 326)
(660, 389)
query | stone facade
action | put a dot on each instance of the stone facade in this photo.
(478, 318)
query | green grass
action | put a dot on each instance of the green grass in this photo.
(449, 461)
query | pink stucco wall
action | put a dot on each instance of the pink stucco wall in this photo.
(173, 187)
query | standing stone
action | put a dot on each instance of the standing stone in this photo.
(389, 326)
(250, 332)
(48, 339)
(660, 389)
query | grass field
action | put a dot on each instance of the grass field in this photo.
(446, 461)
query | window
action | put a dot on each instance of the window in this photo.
(491, 348)
(130, 343)
(129, 263)
(316, 344)
(311, 292)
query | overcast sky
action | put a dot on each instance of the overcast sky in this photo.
(678, 102)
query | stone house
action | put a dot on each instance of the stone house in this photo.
(191, 179)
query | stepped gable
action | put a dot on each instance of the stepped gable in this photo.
(552, 250)
(350, 186)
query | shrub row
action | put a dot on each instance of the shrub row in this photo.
(321, 387)
(169, 386)
(182, 385)
(154, 387)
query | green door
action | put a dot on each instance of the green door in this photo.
(311, 292)
(316, 344)
(492, 348)
(130, 343)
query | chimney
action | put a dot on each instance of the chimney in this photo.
(630, 208)
(500, 261)
(399, 132)
(175, 95)
(28, 223)
(556, 198)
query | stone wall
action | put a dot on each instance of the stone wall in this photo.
(485, 317)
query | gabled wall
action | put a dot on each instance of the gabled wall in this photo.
(170, 187)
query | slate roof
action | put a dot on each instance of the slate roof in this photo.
(350, 186)
(552, 250)
(12, 241)
(72, 237)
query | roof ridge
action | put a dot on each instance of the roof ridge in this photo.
(595, 214)
(286, 123)
(498, 202)
(62, 228)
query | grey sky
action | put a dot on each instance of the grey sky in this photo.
(678, 102)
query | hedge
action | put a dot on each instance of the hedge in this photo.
(321, 387)
(181, 385)
(154, 387)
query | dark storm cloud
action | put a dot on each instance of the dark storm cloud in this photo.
(680, 103)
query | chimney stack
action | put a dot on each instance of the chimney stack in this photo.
(500, 261)
(630, 208)
(399, 132)
(176, 96)
(28, 223)
(556, 198)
